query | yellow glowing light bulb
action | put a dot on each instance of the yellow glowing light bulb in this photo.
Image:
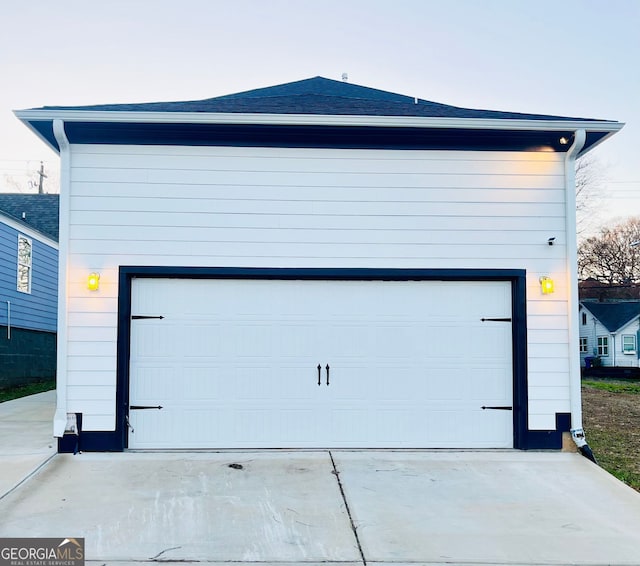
(93, 281)
(546, 285)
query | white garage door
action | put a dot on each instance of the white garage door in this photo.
(282, 364)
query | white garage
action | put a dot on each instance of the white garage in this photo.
(268, 363)
(243, 248)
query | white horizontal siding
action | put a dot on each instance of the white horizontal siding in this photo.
(338, 193)
(311, 161)
(274, 248)
(477, 224)
(594, 328)
(548, 379)
(241, 209)
(587, 331)
(305, 181)
(270, 207)
(104, 379)
(622, 359)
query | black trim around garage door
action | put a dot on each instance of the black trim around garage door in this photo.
(523, 438)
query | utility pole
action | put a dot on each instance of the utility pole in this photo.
(42, 178)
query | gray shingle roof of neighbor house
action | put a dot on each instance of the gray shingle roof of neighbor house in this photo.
(614, 315)
(37, 211)
(313, 97)
(317, 95)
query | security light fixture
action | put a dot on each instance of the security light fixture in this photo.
(93, 281)
(546, 285)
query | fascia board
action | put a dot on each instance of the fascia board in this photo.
(631, 320)
(315, 120)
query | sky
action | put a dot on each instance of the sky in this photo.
(576, 58)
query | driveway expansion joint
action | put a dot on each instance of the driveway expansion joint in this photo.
(27, 477)
(354, 528)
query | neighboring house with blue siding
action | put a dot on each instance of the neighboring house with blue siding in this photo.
(28, 287)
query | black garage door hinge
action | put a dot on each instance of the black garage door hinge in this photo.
(141, 316)
(495, 319)
(499, 408)
(138, 407)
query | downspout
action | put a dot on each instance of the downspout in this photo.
(8, 320)
(577, 432)
(613, 349)
(60, 416)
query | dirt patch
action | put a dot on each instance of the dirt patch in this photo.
(612, 426)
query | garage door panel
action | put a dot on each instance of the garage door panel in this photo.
(200, 340)
(493, 424)
(150, 383)
(155, 341)
(196, 383)
(395, 422)
(349, 426)
(489, 341)
(152, 428)
(234, 364)
(490, 384)
(446, 384)
(255, 426)
(295, 340)
(397, 384)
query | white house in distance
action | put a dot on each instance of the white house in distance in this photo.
(316, 264)
(609, 331)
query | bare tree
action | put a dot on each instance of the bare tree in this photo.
(613, 256)
(590, 184)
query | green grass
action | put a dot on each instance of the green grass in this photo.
(11, 393)
(611, 410)
(614, 454)
(614, 386)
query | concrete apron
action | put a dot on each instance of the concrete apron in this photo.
(516, 508)
(26, 441)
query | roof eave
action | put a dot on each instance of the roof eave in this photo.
(632, 319)
(315, 119)
(21, 226)
(585, 304)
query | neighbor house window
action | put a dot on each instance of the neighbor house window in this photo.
(628, 344)
(603, 345)
(584, 345)
(584, 318)
(24, 264)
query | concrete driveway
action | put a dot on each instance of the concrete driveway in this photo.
(319, 507)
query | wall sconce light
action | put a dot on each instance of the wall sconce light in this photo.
(93, 281)
(546, 285)
(564, 140)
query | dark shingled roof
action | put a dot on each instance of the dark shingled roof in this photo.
(614, 315)
(40, 211)
(317, 95)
